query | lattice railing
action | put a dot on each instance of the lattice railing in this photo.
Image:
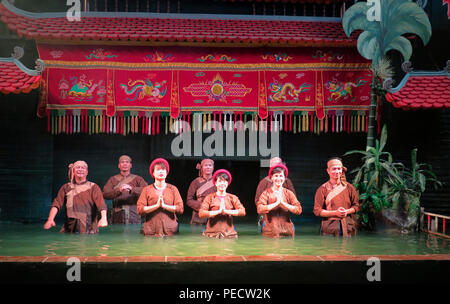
(435, 224)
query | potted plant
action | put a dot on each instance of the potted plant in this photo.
(371, 181)
(405, 191)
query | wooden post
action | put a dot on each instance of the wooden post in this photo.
(421, 215)
(436, 223)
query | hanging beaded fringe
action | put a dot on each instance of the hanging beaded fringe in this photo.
(155, 123)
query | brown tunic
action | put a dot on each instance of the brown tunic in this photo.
(266, 183)
(221, 226)
(160, 222)
(277, 222)
(124, 203)
(86, 200)
(195, 198)
(347, 199)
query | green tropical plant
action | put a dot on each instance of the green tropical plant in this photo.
(397, 18)
(370, 181)
(390, 188)
(406, 190)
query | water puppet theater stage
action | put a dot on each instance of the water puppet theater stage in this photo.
(122, 255)
(118, 80)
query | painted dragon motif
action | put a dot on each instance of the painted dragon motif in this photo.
(343, 90)
(141, 89)
(280, 92)
(100, 54)
(157, 57)
(327, 56)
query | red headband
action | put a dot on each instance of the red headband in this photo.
(222, 171)
(158, 160)
(280, 165)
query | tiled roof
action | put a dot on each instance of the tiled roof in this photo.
(15, 77)
(422, 90)
(14, 80)
(178, 28)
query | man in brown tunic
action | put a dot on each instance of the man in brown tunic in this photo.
(219, 207)
(159, 203)
(200, 188)
(124, 190)
(275, 204)
(82, 199)
(336, 201)
(266, 183)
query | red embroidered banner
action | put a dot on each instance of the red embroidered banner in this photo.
(141, 81)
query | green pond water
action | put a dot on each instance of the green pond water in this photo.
(18, 239)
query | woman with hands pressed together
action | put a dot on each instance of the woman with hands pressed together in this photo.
(160, 202)
(276, 203)
(219, 207)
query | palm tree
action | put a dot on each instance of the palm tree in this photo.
(398, 17)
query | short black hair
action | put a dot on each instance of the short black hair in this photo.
(278, 170)
(223, 176)
(160, 164)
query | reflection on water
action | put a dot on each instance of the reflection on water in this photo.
(119, 240)
(433, 242)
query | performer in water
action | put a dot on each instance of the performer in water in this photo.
(159, 203)
(124, 190)
(220, 207)
(267, 183)
(82, 199)
(200, 188)
(276, 203)
(336, 201)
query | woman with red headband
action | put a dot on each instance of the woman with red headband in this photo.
(275, 204)
(160, 202)
(219, 207)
